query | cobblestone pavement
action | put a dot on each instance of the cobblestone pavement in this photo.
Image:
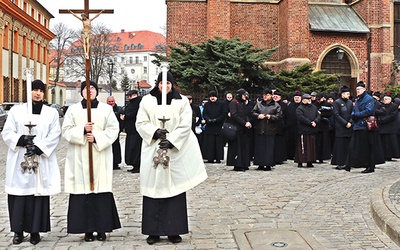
(332, 206)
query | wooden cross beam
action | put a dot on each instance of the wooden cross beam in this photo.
(86, 34)
(86, 10)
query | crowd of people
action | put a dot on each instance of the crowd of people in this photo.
(308, 128)
(168, 140)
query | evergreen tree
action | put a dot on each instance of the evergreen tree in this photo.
(221, 64)
(306, 80)
(125, 82)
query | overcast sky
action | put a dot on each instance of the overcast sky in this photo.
(131, 15)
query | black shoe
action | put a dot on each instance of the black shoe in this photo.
(101, 236)
(18, 238)
(115, 166)
(299, 165)
(35, 238)
(310, 165)
(152, 239)
(347, 168)
(260, 168)
(320, 161)
(210, 162)
(368, 170)
(267, 168)
(239, 169)
(135, 171)
(175, 238)
(89, 237)
(217, 161)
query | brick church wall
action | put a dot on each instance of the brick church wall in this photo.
(284, 23)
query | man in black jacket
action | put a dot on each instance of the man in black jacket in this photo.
(323, 141)
(116, 146)
(343, 128)
(133, 142)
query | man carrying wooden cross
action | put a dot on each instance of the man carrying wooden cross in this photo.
(88, 166)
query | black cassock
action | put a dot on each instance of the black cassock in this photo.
(89, 213)
(29, 213)
(133, 143)
(165, 216)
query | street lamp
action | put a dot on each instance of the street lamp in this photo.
(110, 73)
(340, 54)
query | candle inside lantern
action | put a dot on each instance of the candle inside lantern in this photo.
(29, 94)
(164, 69)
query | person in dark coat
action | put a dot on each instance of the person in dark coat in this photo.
(292, 133)
(196, 116)
(379, 111)
(323, 142)
(307, 118)
(388, 128)
(267, 114)
(249, 133)
(238, 152)
(116, 146)
(361, 147)
(228, 99)
(200, 135)
(280, 138)
(397, 102)
(133, 141)
(214, 116)
(343, 128)
(331, 99)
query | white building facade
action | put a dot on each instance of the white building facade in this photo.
(130, 53)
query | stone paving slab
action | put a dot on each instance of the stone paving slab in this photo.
(332, 207)
(273, 239)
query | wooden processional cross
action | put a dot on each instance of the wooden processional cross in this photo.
(86, 34)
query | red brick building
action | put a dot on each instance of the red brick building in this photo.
(306, 31)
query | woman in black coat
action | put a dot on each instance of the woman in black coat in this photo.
(267, 114)
(307, 117)
(292, 132)
(388, 128)
(238, 150)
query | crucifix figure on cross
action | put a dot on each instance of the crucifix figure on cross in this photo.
(86, 33)
(87, 22)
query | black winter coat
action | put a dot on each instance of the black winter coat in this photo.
(305, 115)
(326, 112)
(131, 111)
(342, 113)
(387, 123)
(214, 114)
(267, 126)
(283, 123)
(238, 114)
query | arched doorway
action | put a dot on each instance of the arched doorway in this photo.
(337, 61)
